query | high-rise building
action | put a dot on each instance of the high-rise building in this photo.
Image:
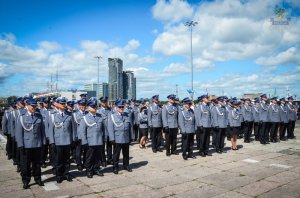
(115, 78)
(100, 89)
(129, 85)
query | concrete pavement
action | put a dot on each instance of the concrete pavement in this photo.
(254, 170)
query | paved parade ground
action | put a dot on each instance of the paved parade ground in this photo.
(254, 170)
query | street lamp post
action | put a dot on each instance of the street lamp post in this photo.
(98, 80)
(191, 24)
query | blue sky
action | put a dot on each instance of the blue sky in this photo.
(236, 49)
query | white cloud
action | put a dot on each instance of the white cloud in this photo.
(290, 56)
(50, 46)
(172, 11)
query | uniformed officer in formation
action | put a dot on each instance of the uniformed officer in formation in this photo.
(61, 137)
(234, 123)
(92, 134)
(220, 122)
(283, 113)
(30, 138)
(274, 119)
(255, 114)
(203, 120)
(7, 129)
(79, 150)
(292, 117)
(248, 119)
(155, 123)
(187, 125)
(105, 110)
(170, 125)
(120, 134)
(263, 119)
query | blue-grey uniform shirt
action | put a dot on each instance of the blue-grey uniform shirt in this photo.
(77, 116)
(283, 113)
(155, 116)
(120, 128)
(186, 120)
(61, 129)
(274, 113)
(292, 112)
(234, 117)
(263, 112)
(143, 120)
(105, 113)
(30, 130)
(219, 116)
(255, 113)
(170, 116)
(5, 121)
(204, 116)
(136, 111)
(247, 113)
(91, 129)
(45, 114)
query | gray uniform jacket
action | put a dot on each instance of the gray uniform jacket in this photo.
(155, 116)
(30, 131)
(263, 112)
(283, 113)
(274, 113)
(136, 111)
(247, 113)
(61, 129)
(14, 119)
(45, 114)
(170, 116)
(105, 113)
(204, 116)
(77, 116)
(5, 121)
(292, 112)
(143, 120)
(120, 128)
(219, 116)
(91, 129)
(228, 107)
(255, 113)
(186, 120)
(234, 118)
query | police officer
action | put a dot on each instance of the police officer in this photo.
(143, 126)
(136, 110)
(79, 150)
(120, 133)
(219, 119)
(274, 119)
(203, 119)
(7, 130)
(186, 122)
(60, 137)
(255, 115)
(263, 119)
(248, 119)
(105, 112)
(92, 133)
(170, 124)
(283, 113)
(30, 137)
(155, 123)
(292, 117)
(235, 123)
(44, 111)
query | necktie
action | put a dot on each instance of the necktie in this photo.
(62, 115)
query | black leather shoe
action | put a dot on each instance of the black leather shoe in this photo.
(25, 186)
(175, 153)
(68, 178)
(89, 175)
(79, 167)
(99, 173)
(202, 154)
(115, 171)
(59, 180)
(15, 163)
(208, 154)
(127, 168)
(191, 156)
(18, 169)
(154, 151)
(159, 150)
(109, 162)
(184, 157)
(168, 154)
(40, 183)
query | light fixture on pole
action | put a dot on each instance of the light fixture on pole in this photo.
(98, 80)
(191, 24)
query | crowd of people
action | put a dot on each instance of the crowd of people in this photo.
(92, 134)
